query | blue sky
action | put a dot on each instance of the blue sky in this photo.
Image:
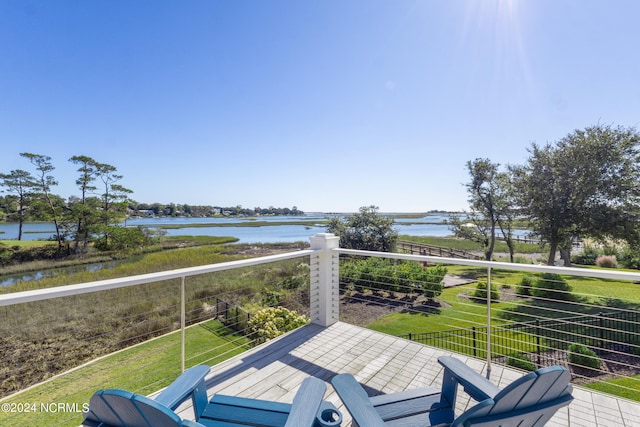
(326, 105)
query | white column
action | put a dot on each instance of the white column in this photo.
(325, 276)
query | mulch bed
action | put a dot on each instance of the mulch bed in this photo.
(361, 309)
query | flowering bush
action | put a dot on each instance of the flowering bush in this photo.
(271, 322)
(607, 261)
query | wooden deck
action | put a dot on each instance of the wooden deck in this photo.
(384, 364)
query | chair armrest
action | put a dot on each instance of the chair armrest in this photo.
(456, 372)
(189, 384)
(306, 403)
(356, 401)
(189, 423)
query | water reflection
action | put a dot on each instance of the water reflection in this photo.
(52, 272)
(431, 225)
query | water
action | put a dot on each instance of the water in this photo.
(263, 234)
(52, 272)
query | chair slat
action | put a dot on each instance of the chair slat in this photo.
(120, 401)
(530, 401)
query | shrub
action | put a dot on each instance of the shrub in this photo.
(350, 274)
(522, 260)
(270, 297)
(587, 256)
(611, 250)
(380, 274)
(121, 238)
(480, 293)
(607, 261)
(373, 273)
(553, 287)
(630, 258)
(522, 361)
(524, 286)
(431, 280)
(271, 322)
(580, 356)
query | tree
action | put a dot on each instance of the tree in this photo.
(22, 184)
(115, 196)
(84, 215)
(491, 206)
(44, 182)
(365, 230)
(586, 184)
(508, 211)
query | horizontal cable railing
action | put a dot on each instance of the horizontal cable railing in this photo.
(147, 328)
(587, 320)
(138, 332)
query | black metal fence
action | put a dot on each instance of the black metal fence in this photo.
(231, 315)
(544, 341)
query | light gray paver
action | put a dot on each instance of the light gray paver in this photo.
(383, 363)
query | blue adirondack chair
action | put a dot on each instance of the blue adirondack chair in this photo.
(121, 408)
(529, 401)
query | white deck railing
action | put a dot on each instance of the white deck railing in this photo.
(325, 297)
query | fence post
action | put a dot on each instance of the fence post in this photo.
(324, 292)
(601, 326)
(475, 345)
(538, 341)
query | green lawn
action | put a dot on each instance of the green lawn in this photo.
(144, 369)
(457, 311)
(26, 243)
(628, 387)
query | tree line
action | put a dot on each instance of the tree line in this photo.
(585, 185)
(95, 215)
(172, 209)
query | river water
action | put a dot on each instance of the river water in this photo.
(431, 225)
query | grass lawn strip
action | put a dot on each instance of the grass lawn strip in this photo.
(144, 369)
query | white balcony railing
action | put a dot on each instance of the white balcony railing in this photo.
(177, 307)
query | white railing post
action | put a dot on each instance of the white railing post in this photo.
(183, 323)
(325, 291)
(488, 322)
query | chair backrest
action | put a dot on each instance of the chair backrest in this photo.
(529, 401)
(120, 408)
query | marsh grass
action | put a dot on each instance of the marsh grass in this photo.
(143, 369)
(44, 338)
